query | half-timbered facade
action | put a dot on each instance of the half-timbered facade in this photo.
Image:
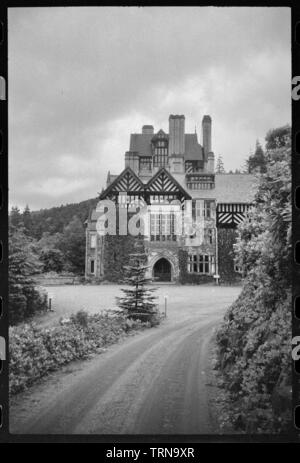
(188, 210)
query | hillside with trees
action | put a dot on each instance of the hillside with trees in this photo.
(49, 240)
(51, 220)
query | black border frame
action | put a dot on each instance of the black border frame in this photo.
(122, 441)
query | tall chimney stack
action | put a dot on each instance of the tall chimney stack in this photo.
(206, 133)
(148, 129)
(176, 135)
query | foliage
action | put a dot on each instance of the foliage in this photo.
(24, 298)
(257, 161)
(220, 166)
(278, 138)
(117, 249)
(244, 169)
(254, 339)
(49, 241)
(27, 221)
(36, 351)
(72, 245)
(226, 240)
(52, 259)
(54, 220)
(15, 217)
(59, 234)
(138, 301)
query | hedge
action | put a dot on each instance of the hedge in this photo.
(36, 351)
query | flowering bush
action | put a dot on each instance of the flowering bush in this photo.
(254, 339)
(36, 351)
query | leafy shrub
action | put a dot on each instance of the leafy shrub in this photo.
(52, 259)
(24, 298)
(36, 351)
(254, 339)
(81, 318)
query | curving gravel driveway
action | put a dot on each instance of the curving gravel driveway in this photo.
(155, 382)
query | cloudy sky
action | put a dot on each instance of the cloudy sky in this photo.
(82, 79)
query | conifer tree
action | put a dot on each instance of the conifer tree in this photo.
(24, 298)
(15, 217)
(27, 221)
(220, 165)
(138, 301)
(257, 162)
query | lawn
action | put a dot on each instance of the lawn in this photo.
(182, 301)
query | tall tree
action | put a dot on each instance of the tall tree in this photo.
(24, 299)
(244, 169)
(15, 217)
(52, 259)
(257, 162)
(27, 221)
(220, 165)
(72, 245)
(138, 301)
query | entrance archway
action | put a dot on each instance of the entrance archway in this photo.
(162, 270)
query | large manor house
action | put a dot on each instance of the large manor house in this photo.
(160, 168)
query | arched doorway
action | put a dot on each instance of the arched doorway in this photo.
(162, 270)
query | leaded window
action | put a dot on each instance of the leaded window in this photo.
(160, 158)
(162, 227)
(201, 263)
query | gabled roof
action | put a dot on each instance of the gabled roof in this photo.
(126, 181)
(164, 181)
(160, 134)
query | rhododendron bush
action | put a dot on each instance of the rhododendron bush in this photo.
(36, 351)
(254, 339)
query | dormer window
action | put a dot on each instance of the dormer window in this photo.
(160, 149)
(160, 158)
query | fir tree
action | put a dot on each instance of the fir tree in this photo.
(15, 217)
(27, 221)
(220, 165)
(72, 245)
(257, 162)
(138, 301)
(244, 169)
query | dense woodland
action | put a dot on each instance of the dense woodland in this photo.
(50, 240)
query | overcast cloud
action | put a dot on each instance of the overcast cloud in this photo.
(82, 79)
